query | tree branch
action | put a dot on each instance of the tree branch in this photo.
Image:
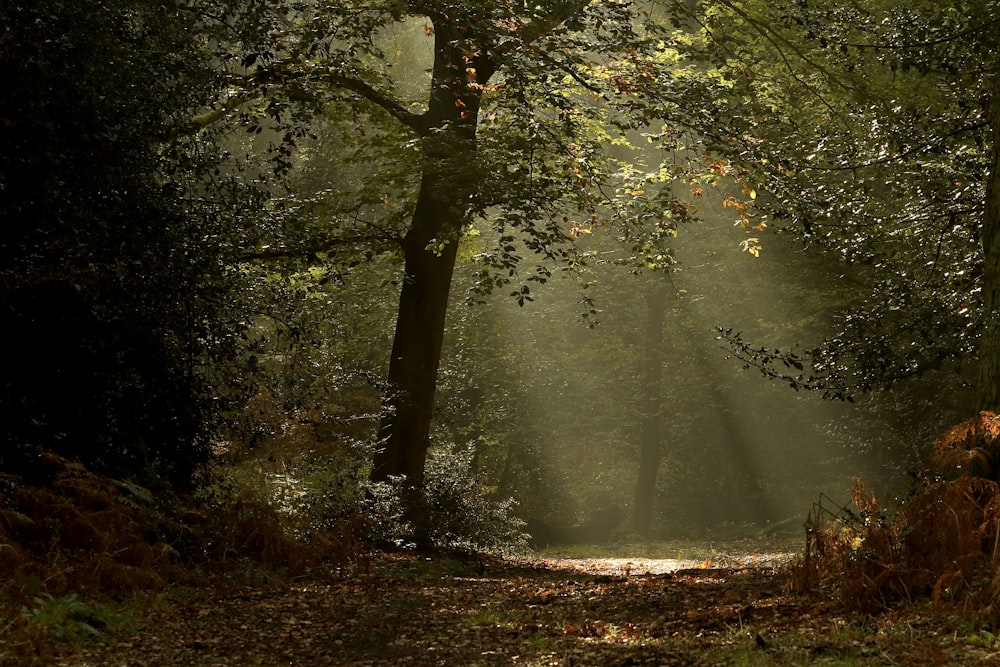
(528, 33)
(393, 107)
(556, 16)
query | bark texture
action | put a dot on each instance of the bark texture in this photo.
(449, 178)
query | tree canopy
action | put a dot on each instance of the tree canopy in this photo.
(119, 231)
(872, 129)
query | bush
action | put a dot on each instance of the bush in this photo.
(942, 543)
(329, 494)
(68, 618)
(268, 518)
(459, 509)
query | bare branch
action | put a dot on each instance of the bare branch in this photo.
(416, 122)
(557, 15)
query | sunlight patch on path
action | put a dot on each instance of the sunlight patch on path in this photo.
(621, 567)
(624, 567)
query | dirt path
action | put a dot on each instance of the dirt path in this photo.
(417, 611)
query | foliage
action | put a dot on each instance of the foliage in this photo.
(316, 350)
(940, 544)
(119, 224)
(461, 509)
(320, 503)
(866, 128)
(68, 618)
(466, 511)
(47, 625)
(255, 517)
(75, 531)
(72, 541)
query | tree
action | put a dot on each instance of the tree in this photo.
(467, 54)
(988, 386)
(651, 445)
(117, 224)
(519, 107)
(873, 136)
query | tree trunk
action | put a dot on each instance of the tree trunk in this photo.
(988, 388)
(448, 179)
(650, 436)
(429, 250)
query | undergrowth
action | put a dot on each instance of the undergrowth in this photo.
(941, 544)
(316, 492)
(300, 502)
(462, 510)
(71, 540)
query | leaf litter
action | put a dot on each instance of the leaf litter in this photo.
(410, 609)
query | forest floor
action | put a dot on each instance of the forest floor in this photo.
(438, 610)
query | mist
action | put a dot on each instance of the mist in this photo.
(572, 412)
(575, 396)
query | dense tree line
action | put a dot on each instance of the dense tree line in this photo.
(120, 228)
(186, 185)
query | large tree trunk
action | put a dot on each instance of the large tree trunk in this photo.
(988, 388)
(449, 178)
(429, 249)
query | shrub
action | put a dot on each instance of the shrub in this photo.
(261, 517)
(329, 494)
(68, 618)
(459, 509)
(942, 543)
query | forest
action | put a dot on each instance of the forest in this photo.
(574, 332)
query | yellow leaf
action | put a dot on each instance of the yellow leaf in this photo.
(751, 246)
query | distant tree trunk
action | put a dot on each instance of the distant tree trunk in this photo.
(449, 177)
(650, 434)
(988, 388)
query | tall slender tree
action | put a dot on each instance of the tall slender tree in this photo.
(651, 436)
